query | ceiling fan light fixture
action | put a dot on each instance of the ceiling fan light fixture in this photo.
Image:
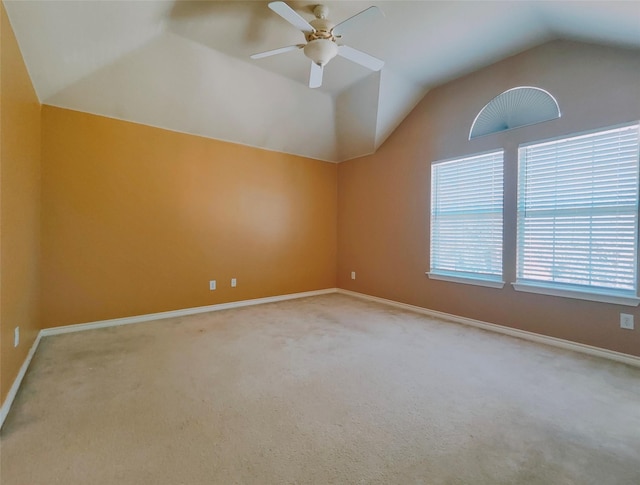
(321, 51)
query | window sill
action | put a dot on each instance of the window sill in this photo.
(466, 281)
(579, 295)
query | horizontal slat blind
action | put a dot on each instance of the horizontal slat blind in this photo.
(578, 212)
(466, 216)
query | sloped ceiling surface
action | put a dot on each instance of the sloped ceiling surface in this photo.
(185, 66)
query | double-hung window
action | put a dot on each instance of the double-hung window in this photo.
(466, 219)
(577, 228)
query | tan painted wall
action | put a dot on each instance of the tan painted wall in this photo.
(383, 199)
(19, 206)
(137, 220)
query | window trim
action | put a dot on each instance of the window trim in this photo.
(591, 131)
(590, 295)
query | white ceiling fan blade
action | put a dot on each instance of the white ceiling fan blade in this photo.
(291, 16)
(273, 52)
(315, 76)
(360, 57)
(344, 25)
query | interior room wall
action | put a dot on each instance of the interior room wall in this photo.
(19, 207)
(138, 220)
(101, 218)
(383, 199)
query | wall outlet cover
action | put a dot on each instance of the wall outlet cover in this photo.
(626, 321)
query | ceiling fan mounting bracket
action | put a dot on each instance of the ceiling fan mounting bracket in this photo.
(321, 11)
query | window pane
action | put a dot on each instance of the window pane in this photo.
(578, 212)
(466, 216)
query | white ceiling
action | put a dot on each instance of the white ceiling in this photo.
(185, 66)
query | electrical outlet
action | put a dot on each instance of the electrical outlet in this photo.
(212, 285)
(16, 336)
(626, 321)
(353, 275)
(233, 282)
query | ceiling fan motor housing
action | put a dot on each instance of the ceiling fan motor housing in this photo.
(323, 30)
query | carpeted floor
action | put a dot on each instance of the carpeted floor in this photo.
(322, 390)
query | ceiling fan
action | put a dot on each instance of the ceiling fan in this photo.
(322, 40)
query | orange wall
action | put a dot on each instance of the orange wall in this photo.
(19, 206)
(383, 199)
(137, 220)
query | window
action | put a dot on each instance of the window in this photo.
(466, 219)
(578, 216)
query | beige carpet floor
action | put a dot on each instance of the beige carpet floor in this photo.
(322, 390)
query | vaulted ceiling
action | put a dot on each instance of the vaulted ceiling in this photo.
(185, 65)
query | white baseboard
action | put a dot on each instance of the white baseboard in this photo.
(6, 405)
(513, 332)
(79, 327)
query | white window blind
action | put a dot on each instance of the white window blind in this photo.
(578, 213)
(466, 217)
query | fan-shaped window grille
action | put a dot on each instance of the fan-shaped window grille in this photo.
(514, 108)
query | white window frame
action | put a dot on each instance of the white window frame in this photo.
(565, 289)
(469, 275)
